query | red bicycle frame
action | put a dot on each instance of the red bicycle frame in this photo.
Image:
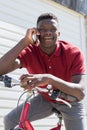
(24, 123)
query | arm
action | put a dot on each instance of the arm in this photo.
(75, 88)
(8, 62)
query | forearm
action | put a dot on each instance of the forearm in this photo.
(73, 89)
(7, 62)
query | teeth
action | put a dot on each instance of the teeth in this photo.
(48, 38)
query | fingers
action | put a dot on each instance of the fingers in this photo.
(22, 77)
(26, 81)
(31, 34)
(33, 80)
(34, 31)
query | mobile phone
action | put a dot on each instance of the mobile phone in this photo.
(34, 36)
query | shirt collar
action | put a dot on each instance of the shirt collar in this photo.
(57, 51)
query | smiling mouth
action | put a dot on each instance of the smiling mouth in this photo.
(48, 38)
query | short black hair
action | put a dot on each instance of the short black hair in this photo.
(46, 16)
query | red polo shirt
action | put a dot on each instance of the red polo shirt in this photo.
(67, 60)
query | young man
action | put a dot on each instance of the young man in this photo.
(49, 61)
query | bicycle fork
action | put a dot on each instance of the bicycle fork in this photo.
(59, 115)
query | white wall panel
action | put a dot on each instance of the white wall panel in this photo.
(15, 17)
(25, 13)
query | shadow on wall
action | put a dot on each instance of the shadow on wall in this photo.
(77, 5)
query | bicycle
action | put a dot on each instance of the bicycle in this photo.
(24, 123)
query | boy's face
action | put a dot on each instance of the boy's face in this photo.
(48, 29)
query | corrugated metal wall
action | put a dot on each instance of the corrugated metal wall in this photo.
(15, 17)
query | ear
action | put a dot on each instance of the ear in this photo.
(58, 34)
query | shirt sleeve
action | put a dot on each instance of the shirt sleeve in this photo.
(23, 57)
(78, 62)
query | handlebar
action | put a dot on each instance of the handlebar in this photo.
(10, 82)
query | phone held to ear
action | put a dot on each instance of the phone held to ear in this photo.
(35, 38)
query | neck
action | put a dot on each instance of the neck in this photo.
(49, 51)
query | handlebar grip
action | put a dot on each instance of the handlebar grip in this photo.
(1, 77)
(6, 80)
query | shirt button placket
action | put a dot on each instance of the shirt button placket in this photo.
(50, 67)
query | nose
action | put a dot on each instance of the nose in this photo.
(48, 31)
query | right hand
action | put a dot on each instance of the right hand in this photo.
(30, 32)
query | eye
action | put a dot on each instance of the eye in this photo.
(53, 30)
(42, 30)
(46, 30)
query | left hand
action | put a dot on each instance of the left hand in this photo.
(32, 81)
